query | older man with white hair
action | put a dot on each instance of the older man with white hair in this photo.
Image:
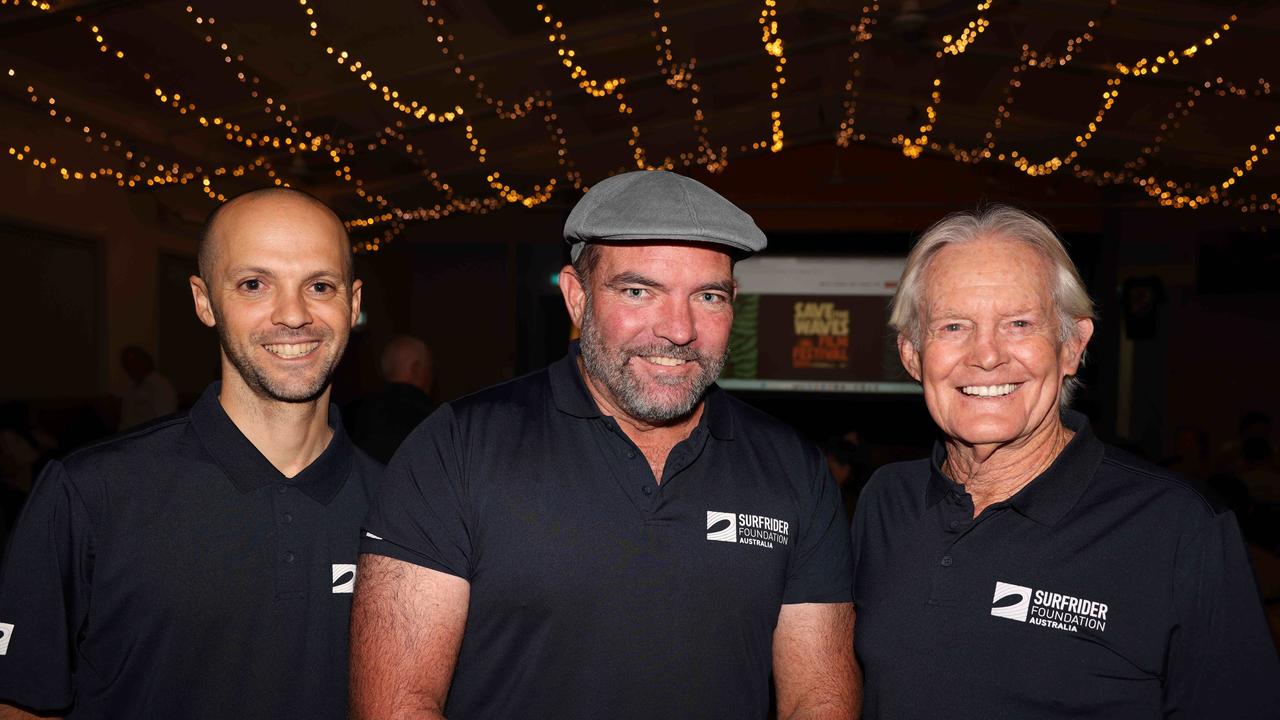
(1027, 570)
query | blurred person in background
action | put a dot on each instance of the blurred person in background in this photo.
(1192, 455)
(150, 396)
(849, 464)
(380, 422)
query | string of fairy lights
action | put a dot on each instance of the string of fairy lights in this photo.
(290, 134)
(860, 33)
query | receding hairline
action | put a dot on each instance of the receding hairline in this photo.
(205, 245)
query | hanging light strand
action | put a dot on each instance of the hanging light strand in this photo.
(1028, 61)
(773, 47)
(859, 33)
(610, 89)
(680, 77)
(1140, 67)
(418, 109)
(951, 45)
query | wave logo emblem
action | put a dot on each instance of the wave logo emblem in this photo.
(344, 577)
(6, 634)
(722, 526)
(1011, 601)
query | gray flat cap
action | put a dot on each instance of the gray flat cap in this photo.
(647, 205)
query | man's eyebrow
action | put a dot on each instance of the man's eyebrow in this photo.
(728, 287)
(630, 277)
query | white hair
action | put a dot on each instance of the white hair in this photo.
(1071, 301)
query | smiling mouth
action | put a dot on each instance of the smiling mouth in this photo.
(663, 360)
(989, 390)
(291, 350)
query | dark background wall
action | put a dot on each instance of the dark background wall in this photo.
(105, 268)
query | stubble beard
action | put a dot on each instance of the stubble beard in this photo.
(611, 367)
(260, 381)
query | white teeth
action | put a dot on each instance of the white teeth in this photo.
(988, 390)
(292, 350)
(667, 361)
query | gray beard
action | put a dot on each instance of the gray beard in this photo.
(610, 368)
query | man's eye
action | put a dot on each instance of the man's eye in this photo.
(633, 292)
(1021, 323)
(321, 287)
(951, 327)
(712, 298)
(252, 284)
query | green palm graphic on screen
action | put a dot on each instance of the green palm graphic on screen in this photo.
(744, 339)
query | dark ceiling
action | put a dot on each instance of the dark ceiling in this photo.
(225, 93)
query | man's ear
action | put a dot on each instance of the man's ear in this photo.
(910, 356)
(357, 292)
(1073, 349)
(204, 306)
(575, 294)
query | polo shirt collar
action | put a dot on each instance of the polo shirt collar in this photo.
(571, 396)
(1051, 495)
(249, 469)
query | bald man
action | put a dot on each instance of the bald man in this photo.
(381, 421)
(202, 567)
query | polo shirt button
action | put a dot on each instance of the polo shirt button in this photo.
(289, 557)
(947, 561)
(953, 524)
(283, 489)
(646, 489)
(631, 454)
(286, 518)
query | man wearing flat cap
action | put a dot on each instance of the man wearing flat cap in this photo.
(612, 536)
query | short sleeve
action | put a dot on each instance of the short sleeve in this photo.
(820, 569)
(855, 539)
(44, 594)
(1221, 661)
(420, 512)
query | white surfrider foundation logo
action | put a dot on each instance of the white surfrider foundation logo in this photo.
(1048, 609)
(747, 529)
(6, 634)
(344, 577)
(1011, 601)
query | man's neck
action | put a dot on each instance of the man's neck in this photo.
(290, 435)
(992, 474)
(655, 441)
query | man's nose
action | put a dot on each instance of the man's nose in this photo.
(676, 323)
(987, 349)
(291, 310)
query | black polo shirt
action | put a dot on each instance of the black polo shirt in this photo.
(173, 572)
(596, 592)
(1106, 588)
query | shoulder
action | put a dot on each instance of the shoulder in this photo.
(527, 393)
(895, 480)
(125, 452)
(1123, 475)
